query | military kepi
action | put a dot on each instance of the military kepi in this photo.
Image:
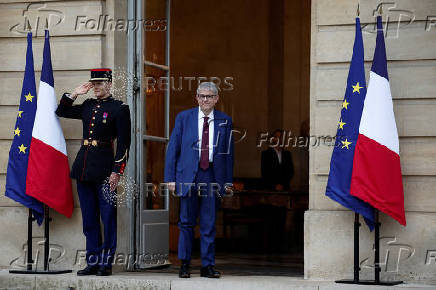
(101, 74)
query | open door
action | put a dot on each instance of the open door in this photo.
(152, 132)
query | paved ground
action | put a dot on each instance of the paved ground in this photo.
(148, 280)
(240, 272)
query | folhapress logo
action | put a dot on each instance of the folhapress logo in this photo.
(37, 16)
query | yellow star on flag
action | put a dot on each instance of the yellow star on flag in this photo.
(17, 131)
(341, 124)
(357, 88)
(22, 148)
(345, 104)
(29, 97)
(19, 114)
(345, 143)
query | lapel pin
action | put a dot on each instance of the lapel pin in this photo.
(105, 114)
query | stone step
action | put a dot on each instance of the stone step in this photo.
(144, 280)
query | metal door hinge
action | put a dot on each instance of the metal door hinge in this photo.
(136, 85)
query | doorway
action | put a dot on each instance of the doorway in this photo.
(258, 52)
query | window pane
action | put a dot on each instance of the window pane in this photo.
(155, 87)
(155, 29)
(154, 162)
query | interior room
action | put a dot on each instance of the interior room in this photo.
(258, 53)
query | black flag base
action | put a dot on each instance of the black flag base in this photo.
(369, 282)
(29, 269)
(356, 267)
(40, 271)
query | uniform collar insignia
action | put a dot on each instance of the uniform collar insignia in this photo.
(110, 97)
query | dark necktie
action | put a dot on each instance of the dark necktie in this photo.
(204, 157)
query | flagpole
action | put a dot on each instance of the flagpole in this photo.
(29, 265)
(377, 249)
(356, 217)
(46, 270)
(356, 267)
(356, 247)
(30, 219)
(47, 221)
(377, 269)
(381, 53)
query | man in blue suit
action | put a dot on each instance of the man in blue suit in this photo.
(199, 168)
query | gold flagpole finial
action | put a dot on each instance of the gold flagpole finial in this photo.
(380, 8)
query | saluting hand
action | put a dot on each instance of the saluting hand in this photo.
(81, 90)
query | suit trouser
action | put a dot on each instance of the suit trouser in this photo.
(205, 204)
(93, 205)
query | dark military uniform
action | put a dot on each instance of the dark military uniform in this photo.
(104, 120)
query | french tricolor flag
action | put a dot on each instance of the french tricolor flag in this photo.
(376, 176)
(48, 171)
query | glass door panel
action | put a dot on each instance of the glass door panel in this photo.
(155, 95)
(154, 133)
(156, 194)
(156, 26)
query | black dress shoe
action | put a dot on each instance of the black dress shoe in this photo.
(184, 271)
(209, 272)
(104, 272)
(89, 270)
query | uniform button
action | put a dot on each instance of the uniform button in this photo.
(90, 132)
(92, 124)
(95, 111)
(90, 138)
(93, 118)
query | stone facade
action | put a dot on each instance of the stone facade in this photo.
(74, 51)
(328, 226)
(412, 71)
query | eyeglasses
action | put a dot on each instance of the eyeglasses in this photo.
(204, 97)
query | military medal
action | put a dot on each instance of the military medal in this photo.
(104, 117)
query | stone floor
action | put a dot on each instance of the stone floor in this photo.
(146, 280)
(239, 271)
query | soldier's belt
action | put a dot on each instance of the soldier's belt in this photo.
(96, 143)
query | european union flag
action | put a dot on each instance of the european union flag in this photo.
(341, 165)
(19, 152)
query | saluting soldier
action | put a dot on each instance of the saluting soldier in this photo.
(104, 119)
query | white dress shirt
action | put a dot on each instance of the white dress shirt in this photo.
(279, 155)
(200, 132)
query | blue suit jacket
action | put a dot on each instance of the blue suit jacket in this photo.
(182, 156)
